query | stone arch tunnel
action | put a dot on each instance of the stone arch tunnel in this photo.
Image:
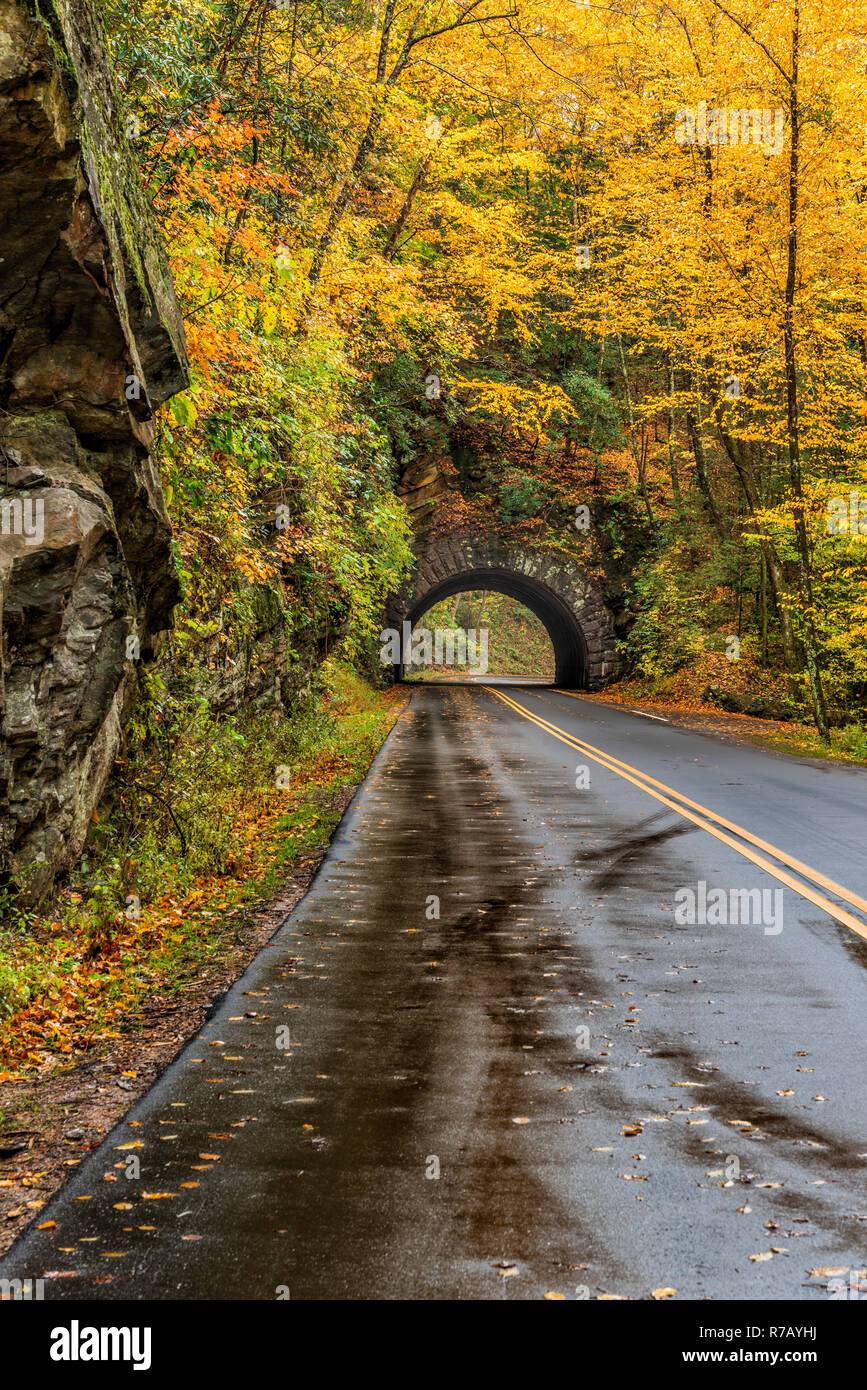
(568, 602)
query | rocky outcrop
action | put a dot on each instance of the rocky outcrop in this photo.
(91, 342)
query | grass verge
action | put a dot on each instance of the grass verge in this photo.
(141, 921)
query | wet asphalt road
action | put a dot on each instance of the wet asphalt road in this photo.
(577, 1165)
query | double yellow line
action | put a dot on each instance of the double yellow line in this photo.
(676, 801)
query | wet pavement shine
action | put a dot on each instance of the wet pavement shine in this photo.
(481, 1059)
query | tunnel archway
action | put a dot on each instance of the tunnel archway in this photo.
(567, 639)
(567, 600)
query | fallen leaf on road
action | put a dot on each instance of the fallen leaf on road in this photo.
(762, 1255)
(560, 1297)
(664, 1292)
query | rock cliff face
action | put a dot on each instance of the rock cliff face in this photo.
(91, 342)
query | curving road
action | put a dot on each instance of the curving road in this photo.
(557, 1085)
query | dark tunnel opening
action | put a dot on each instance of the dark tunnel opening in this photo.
(563, 628)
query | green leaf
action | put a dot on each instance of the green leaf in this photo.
(183, 410)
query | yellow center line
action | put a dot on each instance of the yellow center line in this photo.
(643, 782)
(800, 868)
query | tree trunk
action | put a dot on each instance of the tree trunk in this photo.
(746, 475)
(693, 430)
(805, 582)
(672, 461)
(639, 460)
